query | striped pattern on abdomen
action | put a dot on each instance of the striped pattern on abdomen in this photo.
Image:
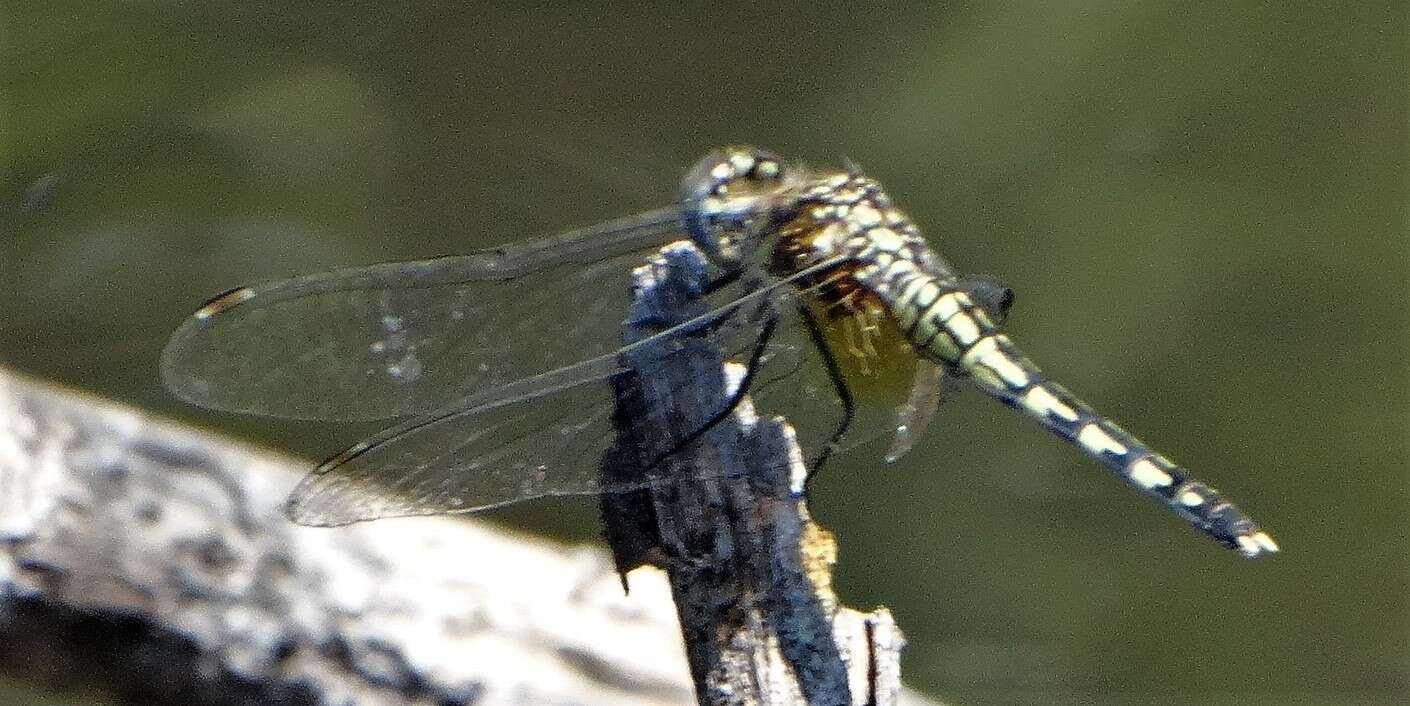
(946, 325)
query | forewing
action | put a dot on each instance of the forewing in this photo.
(411, 338)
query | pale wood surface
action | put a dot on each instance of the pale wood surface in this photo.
(148, 560)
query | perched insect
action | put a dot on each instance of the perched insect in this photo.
(499, 357)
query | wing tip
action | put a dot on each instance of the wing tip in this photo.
(177, 375)
(176, 367)
(298, 511)
(314, 503)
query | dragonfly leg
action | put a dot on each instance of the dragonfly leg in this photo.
(728, 277)
(839, 385)
(761, 344)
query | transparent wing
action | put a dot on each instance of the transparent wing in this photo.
(913, 418)
(410, 338)
(499, 453)
(796, 380)
(896, 395)
(537, 437)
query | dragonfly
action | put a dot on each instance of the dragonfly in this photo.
(494, 362)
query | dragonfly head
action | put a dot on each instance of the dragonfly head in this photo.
(727, 198)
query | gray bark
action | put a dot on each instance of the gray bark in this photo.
(149, 561)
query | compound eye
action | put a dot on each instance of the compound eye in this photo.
(766, 166)
(741, 168)
(732, 171)
(726, 194)
(990, 293)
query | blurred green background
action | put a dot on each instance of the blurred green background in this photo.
(1202, 207)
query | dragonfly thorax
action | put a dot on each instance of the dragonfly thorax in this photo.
(848, 215)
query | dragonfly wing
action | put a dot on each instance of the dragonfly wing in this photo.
(512, 449)
(893, 394)
(539, 436)
(411, 338)
(914, 415)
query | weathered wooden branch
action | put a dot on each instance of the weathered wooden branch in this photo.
(749, 569)
(149, 561)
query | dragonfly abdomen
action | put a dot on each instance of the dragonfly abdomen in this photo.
(945, 324)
